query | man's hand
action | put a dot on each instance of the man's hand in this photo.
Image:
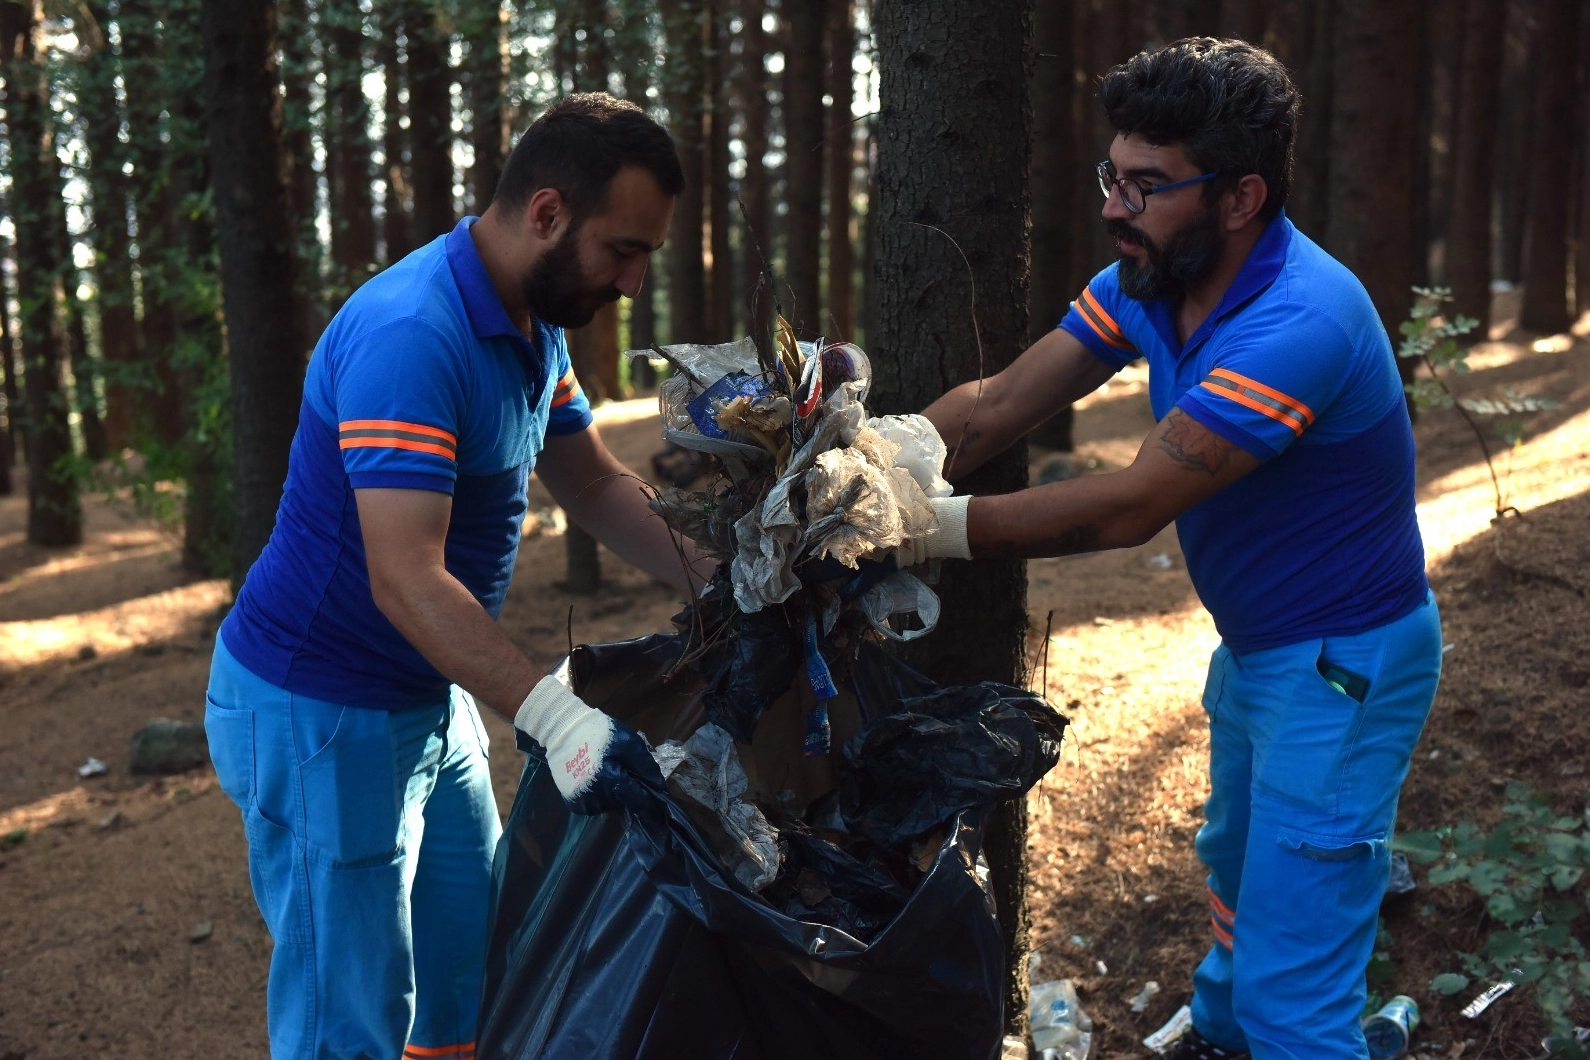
(592, 758)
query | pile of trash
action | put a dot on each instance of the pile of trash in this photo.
(802, 492)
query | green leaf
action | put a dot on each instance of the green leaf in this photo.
(1455, 870)
(1505, 946)
(1564, 878)
(1506, 908)
(1423, 847)
(1488, 877)
(1449, 983)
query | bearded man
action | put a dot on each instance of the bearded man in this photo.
(1284, 454)
(341, 708)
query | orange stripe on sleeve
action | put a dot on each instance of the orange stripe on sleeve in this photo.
(396, 443)
(1269, 392)
(1279, 415)
(397, 425)
(1112, 332)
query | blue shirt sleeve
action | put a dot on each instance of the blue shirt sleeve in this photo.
(1094, 319)
(1271, 382)
(399, 395)
(570, 411)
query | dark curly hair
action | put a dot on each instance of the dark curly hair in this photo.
(1232, 107)
(578, 145)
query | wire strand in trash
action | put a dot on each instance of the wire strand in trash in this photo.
(764, 354)
(949, 465)
(678, 367)
(652, 492)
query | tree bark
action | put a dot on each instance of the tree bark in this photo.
(720, 298)
(297, 74)
(55, 517)
(953, 135)
(110, 234)
(1545, 307)
(348, 138)
(485, 30)
(1581, 258)
(839, 321)
(1468, 256)
(1519, 49)
(430, 118)
(803, 151)
(1300, 36)
(257, 261)
(636, 56)
(684, 90)
(752, 88)
(1056, 171)
(397, 229)
(8, 391)
(1440, 51)
(1372, 190)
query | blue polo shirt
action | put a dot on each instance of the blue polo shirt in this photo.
(420, 382)
(1295, 367)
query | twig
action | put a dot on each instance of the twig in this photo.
(688, 374)
(1478, 434)
(1525, 572)
(977, 398)
(568, 630)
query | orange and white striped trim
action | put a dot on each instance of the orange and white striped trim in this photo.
(462, 1051)
(396, 434)
(1222, 920)
(1103, 325)
(567, 390)
(1250, 393)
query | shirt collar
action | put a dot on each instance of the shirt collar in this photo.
(1259, 270)
(481, 303)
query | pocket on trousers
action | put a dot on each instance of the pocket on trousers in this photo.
(1318, 847)
(352, 802)
(1215, 680)
(230, 734)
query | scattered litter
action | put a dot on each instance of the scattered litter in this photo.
(1013, 1048)
(1100, 620)
(1178, 1025)
(1401, 881)
(201, 931)
(1447, 647)
(1150, 898)
(1484, 1001)
(1140, 1000)
(112, 821)
(1101, 967)
(1389, 1031)
(1059, 1027)
(705, 772)
(1161, 561)
(1080, 942)
(1555, 1045)
(1435, 754)
(92, 768)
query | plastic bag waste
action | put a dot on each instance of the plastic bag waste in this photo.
(621, 935)
(1060, 1029)
(705, 770)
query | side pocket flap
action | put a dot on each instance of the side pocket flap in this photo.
(1331, 848)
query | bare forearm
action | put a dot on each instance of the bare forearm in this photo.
(967, 420)
(613, 509)
(447, 625)
(1061, 519)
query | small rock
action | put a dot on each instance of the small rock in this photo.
(1101, 967)
(87, 652)
(112, 821)
(201, 931)
(166, 746)
(92, 768)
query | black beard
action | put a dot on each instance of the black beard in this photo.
(556, 289)
(1187, 258)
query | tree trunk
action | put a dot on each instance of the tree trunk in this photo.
(720, 300)
(1519, 49)
(81, 363)
(297, 74)
(110, 235)
(1545, 307)
(8, 391)
(803, 151)
(485, 30)
(839, 322)
(953, 135)
(756, 304)
(1055, 173)
(636, 55)
(348, 137)
(1242, 19)
(257, 261)
(684, 91)
(1372, 193)
(1581, 260)
(1300, 36)
(397, 229)
(1440, 51)
(55, 516)
(1468, 258)
(430, 113)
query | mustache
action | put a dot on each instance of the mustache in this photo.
(1119, 229)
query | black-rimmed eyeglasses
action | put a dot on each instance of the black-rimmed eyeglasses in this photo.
(1134, 193)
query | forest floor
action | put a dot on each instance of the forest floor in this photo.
(103, 881)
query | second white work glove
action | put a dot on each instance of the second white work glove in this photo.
(578, 740)
(947, 539)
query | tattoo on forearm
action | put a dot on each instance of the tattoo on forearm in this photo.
(1193, 445)
(1069, 542)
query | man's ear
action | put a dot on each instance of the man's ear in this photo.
(546, 215)
(1247, 198)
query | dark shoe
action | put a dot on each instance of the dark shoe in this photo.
(1194, 1046)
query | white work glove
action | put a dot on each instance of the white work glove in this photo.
(947, 539)
(577, 739)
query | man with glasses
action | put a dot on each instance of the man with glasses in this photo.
(1284, 454)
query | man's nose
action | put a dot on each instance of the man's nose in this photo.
(1115, 207)
(631, 276)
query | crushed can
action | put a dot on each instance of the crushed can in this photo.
(1389, 1031)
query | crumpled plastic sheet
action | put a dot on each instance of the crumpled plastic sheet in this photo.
(706, 771)
(850, 507)
(921, 451)
(944, 752)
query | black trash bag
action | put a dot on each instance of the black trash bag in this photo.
(943, 752)
(620, 936)
(823, 883)
(749, 669)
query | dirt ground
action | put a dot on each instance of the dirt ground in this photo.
(103, 882)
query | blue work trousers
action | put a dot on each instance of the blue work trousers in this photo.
(1308, 747)
(370, 841)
